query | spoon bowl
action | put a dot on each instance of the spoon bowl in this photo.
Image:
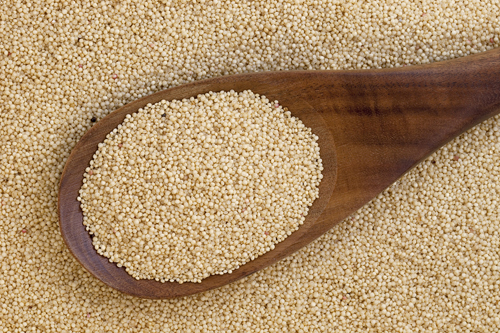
(373, 126)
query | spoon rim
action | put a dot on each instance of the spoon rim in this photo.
(117, 280)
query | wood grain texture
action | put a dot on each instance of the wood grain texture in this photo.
(373, 125)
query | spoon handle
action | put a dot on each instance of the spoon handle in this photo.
(385, 122)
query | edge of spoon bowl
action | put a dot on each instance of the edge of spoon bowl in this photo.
(79, 241)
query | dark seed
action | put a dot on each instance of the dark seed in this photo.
(94, 119)
(164, 115)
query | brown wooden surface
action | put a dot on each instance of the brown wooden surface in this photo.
(374, 125)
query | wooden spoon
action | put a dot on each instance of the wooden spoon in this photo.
(373, 125)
